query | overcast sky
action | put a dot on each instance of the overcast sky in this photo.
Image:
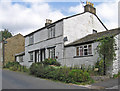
(27, 16)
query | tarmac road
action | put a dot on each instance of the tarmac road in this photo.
(16, 80)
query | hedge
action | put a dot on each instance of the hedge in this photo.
(64, 74)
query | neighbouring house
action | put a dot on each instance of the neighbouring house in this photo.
(13, 45)
(51, 40)
(1, 48)
(19, 57)
(83, 51)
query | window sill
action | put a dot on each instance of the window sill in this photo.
(51, 38)
(82, 56)
(30, 61)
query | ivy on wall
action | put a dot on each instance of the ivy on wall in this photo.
(106, 51)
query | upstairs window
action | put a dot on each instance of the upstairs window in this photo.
(51, 32)
(31, 39)
(84, 50)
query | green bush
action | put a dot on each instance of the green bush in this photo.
(116, 75)
(10, 64)
(51, 62)
(64, 74)
(79, 75)
(100, 66)
(15, 66)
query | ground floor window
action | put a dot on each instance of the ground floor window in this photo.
(31, 56)
(51, 53)
(21, 59)
(84, 50)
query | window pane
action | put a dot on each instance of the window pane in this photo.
(77, 51)
(81, 51)
(31, 56)
(51, 53)
(85, 46)
(85, 52)
(31, 40)
(89, 49)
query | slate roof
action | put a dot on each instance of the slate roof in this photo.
(93, 37)
(20, 54)
(62, 20)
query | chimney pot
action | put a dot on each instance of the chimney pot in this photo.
(48, 21)
(89, 7)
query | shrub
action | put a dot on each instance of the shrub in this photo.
(51, 62)
(116, 75)
(79, 75)
(15, 66)
(64, 74)
(100, 66)
(10, 64)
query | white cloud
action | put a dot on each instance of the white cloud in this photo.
(76, 9)
(20, 19)
(107, 11)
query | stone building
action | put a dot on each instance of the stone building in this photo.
(14, 45)
(1, 48)
(83, 51)
(50, 41)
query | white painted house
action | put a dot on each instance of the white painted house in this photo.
(50, 41)
(83, 50)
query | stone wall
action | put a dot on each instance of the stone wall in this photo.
(15, 44)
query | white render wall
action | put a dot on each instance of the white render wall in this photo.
(119, 51)
(1, 50)
(41, 41)
(81, 25)
(115, 67)
(70, 53)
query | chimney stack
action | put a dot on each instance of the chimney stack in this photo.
(89, 7)
(48, 22)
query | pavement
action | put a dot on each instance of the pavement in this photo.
(107, 84)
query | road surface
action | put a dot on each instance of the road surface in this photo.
(16, 80)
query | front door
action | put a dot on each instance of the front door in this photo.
(42, 54)
(36, 56)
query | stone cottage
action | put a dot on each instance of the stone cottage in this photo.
(83, 51)
(13, 45)
(51, 40)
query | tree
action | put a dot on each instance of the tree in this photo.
(106, 51)
(6, 34)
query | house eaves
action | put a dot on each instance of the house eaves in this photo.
(93, 37)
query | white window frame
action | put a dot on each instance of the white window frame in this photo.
(88, 53)
(51, 53)
(31, 56)
(31, 39)
(51, 32)
(20, 58)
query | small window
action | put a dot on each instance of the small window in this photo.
(51, 32)
(21, 59)
(94, 31)
(89, 49)
(81, 51)
(31, 56)
(84, 50)
(31, 40)
(77, 51)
